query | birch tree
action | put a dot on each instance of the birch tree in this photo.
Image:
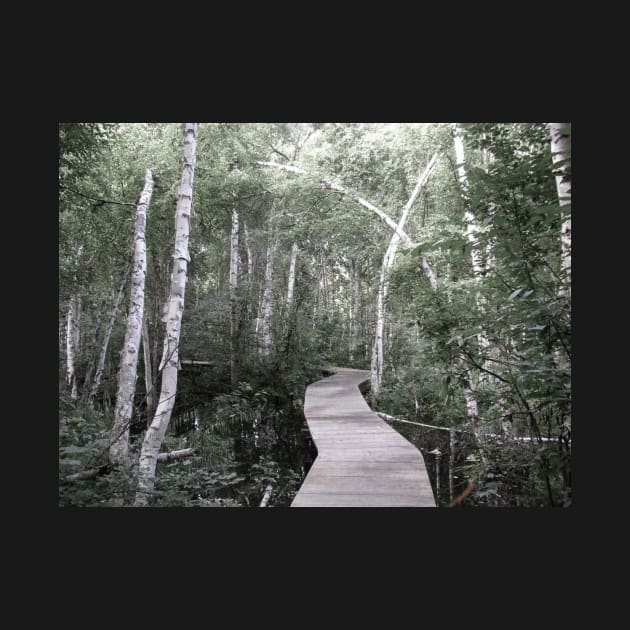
(128, 373)
(472, 229)
(250, 260)
(561, 157)
(265, 334)
(355, 308)
(383, 287)
(265, 310)
(472, 232)
(72, 344)
(234, 260)
(170, 359)
(291, 280)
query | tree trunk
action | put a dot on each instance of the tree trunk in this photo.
(438, 457)
(388, 263)
(148, 374)
(233, 298)
(472, 229)
(155, 433)
(108, 332)
(90, 473)
(561, 157)
(250, 260)
(355, 310)
(71, 346)
(127, 375)
(451, 463)
(266, 304)
(291, 281)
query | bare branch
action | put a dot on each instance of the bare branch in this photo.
(337, 188)
(279, 153)
(101, 201)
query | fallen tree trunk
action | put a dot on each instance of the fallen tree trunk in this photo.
(90, 473)
(173, 455)
(266, 496)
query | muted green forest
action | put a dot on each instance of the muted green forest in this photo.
(209, 272)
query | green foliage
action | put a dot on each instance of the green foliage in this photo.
(83, 445)
(506, 334)
(79, 146)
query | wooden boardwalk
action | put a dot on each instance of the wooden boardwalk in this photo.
(361, 461)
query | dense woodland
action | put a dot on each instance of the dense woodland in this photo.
(208, 272)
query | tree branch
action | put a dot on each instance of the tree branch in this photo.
(103, 470)
(101, 201)
(279, 153)
(336, 187)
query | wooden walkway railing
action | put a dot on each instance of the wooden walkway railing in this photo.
(361, 461)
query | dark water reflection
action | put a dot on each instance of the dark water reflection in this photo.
(273, 448)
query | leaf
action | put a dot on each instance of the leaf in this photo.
(537, 327)
(514, 294)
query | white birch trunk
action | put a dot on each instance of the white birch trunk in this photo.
(354, 311)
(472, 233)
(148, 374)
(108, 333)
(127, 375)
(561, 156)
(71, 347)
(291, 281)
(250, 260)
(76, 330)
(451, 463)
(266, 305)
(233, 298)
(170, 361)
(472, 229)
(388, 263)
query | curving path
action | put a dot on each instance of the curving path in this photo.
(361, 461)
